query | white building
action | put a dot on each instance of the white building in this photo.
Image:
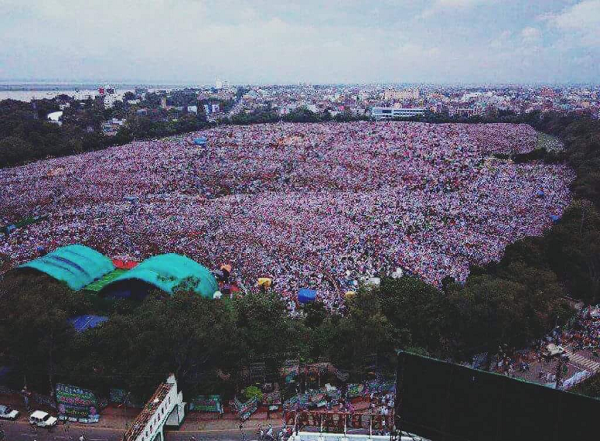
(316, 436)
(165, 408)
(55, 117)
(379, 113)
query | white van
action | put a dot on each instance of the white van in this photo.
(42, 419)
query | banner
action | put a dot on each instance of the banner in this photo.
(207, 403)
(299, 401)
(337, 420)
(74, 402)
(245, 410)
(355, 390)
(273, 398)
(380, 387)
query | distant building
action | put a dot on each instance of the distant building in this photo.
(379, 113)
(109, 100)
(215, 108)
(140, 91)
(464, 112)
(400, 95)
(55, 117)
(192, 109)
(110, 128)
(163, 102)
(218, 84)
(547, 92)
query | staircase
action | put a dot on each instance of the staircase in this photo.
(583, 362)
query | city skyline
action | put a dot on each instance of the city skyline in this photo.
(270, 42)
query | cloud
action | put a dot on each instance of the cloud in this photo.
(502, 40)
(578, 22)
(448, 5)
(531, 34)
(277, 41)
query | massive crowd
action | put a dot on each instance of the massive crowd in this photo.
(309, 205)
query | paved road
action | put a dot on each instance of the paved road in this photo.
(22, 431)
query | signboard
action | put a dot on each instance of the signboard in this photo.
(355, 390)
(337, 420)
(380, 387)
(207, 403)
(245, 410)
(74, 402)
(272, 398)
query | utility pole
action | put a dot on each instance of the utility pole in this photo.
(562, 360)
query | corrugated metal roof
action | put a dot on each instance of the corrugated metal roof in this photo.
(166, 271)
(76, 265)
(83, 322)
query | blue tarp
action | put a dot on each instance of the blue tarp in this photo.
(4, 370)
(83, 322)
(306, 295)
(200, 141)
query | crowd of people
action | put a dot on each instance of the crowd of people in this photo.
(308, 205)
(540, 362)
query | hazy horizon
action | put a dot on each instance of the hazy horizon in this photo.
(261, 42)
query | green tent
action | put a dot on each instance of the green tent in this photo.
(76, 265)
(164, 272)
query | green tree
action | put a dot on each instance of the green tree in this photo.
(185, 334)
(34, 331)
(486, 313)
(14, 150)
(364, 331)
(419, 308)
(574, 248)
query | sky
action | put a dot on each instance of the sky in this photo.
(310, 41)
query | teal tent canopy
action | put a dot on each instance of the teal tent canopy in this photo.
(75, 265)
(165, 272)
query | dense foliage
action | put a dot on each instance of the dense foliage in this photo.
(206, 343)
(26, 135)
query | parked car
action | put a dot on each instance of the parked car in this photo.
(6, 413)
(42, 419)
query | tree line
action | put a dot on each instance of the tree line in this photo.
(26, 135)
